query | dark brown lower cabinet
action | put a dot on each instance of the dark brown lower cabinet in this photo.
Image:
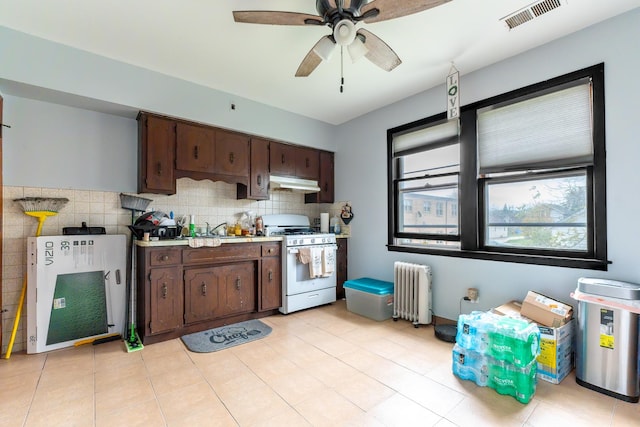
(341, 267)
(165, 299)
(184, 290)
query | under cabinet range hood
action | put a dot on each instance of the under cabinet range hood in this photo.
(294, 184)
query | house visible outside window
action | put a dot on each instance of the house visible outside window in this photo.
(516, 179)
(427, 207)
(408, 206)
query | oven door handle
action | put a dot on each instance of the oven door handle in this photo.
(296, 249)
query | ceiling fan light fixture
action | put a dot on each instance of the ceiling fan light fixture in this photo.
(344, 32)
(325, 48)
(357, 49)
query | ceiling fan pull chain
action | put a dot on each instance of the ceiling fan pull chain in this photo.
(341, 69)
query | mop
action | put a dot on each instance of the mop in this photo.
(40, 208)
(135, 204)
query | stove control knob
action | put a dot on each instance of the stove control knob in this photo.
(312, 241)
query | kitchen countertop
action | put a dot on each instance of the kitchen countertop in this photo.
(224, 240)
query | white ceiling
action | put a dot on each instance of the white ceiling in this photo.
(198, 41)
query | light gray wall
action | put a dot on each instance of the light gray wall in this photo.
(48, 135)
(50, 145)
(361, 172)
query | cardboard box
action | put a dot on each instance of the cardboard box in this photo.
(556, 357)
(511, 309)
(546, 311)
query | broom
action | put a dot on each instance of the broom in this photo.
(40, 208)
(135, 204)
(132, 342)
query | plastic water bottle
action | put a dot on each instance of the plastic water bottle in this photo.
(473, 331)
(515, 341)
(508, 379)
(470, 365)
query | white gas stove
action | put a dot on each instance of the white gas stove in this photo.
(308, 262)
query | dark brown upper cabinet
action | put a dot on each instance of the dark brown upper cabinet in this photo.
(195, 148)
(282, 159)
(232, 154)
(258, 188)
(156, 154)
(307, 160)
(325, 181)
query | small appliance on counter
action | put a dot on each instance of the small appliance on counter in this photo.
(157, 224)
(83, 230)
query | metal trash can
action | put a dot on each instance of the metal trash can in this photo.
(607, 352)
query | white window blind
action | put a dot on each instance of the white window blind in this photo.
(550, 130)
(426, 136)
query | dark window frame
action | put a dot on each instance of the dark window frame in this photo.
(471, 216)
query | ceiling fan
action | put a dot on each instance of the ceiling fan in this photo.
(342, 16)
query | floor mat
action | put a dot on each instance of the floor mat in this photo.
(226, 336)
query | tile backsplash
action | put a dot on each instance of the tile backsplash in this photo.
(212, 202)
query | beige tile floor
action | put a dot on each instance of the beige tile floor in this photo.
(320, 367)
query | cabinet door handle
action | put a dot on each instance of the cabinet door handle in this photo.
(159, 168)
(164, 290)
(326, 187)
(164, 258)
(231, 157)
(204, 289)
(271, 275)
(195, 152)
(282, 159)
(259, 180)
(238, 283)
(307, 161)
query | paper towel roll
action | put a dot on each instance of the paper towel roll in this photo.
(324, 222)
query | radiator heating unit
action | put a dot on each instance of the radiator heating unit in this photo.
(412, 293)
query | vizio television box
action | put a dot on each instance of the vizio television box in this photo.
(371, 298)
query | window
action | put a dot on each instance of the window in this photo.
(427, 161)
(515, 179)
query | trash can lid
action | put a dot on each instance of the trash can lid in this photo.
(609, 288)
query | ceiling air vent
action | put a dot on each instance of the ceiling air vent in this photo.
(530, 12)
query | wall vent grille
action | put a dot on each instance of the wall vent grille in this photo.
(530, 12)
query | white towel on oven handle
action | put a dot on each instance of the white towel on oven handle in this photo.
(328, 261)
(315, 264)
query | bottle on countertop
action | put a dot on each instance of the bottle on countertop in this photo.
(259, 226)
(192, 226)
(334, 225)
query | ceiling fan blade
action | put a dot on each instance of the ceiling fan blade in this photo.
(379, 52)
(276, 18)
(313, 59)
(390, 9)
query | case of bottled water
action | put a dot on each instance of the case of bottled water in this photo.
(499, 352)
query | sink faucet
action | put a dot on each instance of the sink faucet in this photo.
(213, 230)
